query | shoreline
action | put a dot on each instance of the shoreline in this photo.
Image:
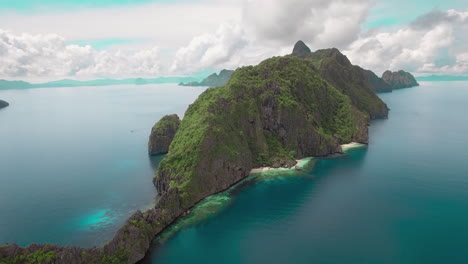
(301, 163)
(141, 228)
(218, 201)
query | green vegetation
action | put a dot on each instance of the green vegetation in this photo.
(120, 257)
(37, 257)
(351, 80)
(166, 121)
(262, 116)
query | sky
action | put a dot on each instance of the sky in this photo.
(89, 39)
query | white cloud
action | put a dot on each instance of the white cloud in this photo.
(321, 23)
(208, 50)
(39, 56)
(167, 24)
(433, 43)
(271, 27)
(190, 38)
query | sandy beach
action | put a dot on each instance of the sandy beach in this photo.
(300, 163)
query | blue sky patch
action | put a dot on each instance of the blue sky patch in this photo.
(101, 44)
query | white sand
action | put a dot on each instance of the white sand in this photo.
(302, 162)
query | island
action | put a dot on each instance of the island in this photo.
(283, 109)
(162, 134)
(377, 83)
(213, 80)
(399, 79)
(3, 104)
(11, 85)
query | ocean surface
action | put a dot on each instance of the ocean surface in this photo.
(74, 162)
(403, 199)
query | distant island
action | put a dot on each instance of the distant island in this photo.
(442, 78)
(283, 109)
(213, 80)
(3, 104)
(399, 79)
(5, 85)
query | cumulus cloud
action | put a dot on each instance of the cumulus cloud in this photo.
(271, 27)
(433, 43)
(250, 31)
(321, 23)
(210, 49)
(50, 56)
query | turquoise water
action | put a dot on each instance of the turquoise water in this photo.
(403, 199)
(73, 161)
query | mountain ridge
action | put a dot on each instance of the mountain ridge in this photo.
(8, 85)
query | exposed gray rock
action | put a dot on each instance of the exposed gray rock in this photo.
(162, 134)
(300, 49)
(399, 79)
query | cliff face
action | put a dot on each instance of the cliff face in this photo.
(399, 79)
(376, 83)
(3, 104)
(349, 79)
(129, 245)
(162, 134)
(267, 115)
(213, 80)
(301, 50)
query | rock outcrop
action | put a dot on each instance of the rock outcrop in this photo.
(301, 50)
(376, 83)
(267, 115)
(129, 245)
(283, 109)
(162, 134)
(213, 80)
(399, 79)
(3, 104)
(351, 80)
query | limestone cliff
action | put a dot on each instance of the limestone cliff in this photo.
(283, 109)
(162, 134)
(376, 83)
(301, 50)
(399, 79)
(351, 80)
(267, 115)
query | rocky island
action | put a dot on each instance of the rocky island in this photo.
(213, 80)
(3, 104)
(399, 79)
(162, 134)
(285, 108)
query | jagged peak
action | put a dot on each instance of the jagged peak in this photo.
(300, 49)
(335, 53)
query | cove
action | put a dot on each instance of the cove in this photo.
(402, 199)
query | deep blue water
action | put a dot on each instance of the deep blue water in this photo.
(403, 199)
(73, 161)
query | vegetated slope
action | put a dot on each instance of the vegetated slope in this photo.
(270, 114)
(349, 79)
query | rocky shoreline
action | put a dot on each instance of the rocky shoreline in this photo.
(135, 231)
(284, 109)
